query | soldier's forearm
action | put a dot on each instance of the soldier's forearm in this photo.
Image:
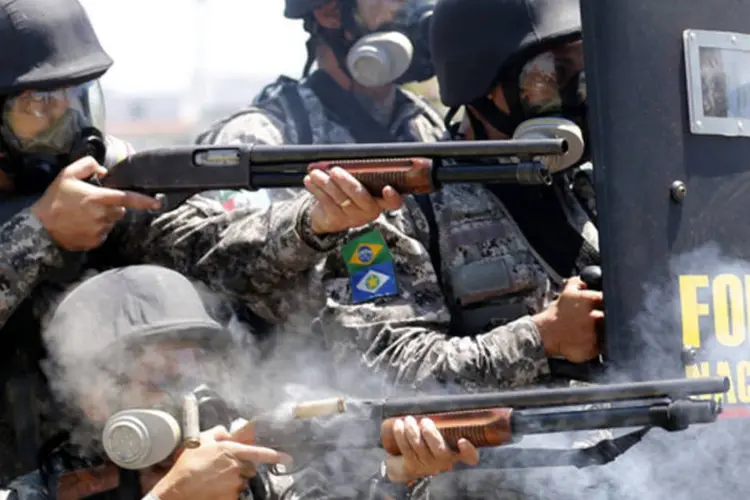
(508, 356)
(27, 253)
(246, 253)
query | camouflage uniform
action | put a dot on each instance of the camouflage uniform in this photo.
(272, 120)
(490, 282)
(245, 255)
(38, 486)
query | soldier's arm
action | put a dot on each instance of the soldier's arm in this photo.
(252, 126)
(408, 335)
(28, 253)
(248, 127)
(247, 253)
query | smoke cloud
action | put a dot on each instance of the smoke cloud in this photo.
(263, 375)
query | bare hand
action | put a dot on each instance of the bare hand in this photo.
(568, 326)
(217, 470)
(424, 452)
(343, 202)
(79, 215)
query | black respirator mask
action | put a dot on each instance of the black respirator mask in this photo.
(389, 41)
(550, 84)
(41, 132)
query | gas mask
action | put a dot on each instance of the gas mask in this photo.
(156, 388)
(548, 90)
(43, 131)
(140, 438)
(390, 41)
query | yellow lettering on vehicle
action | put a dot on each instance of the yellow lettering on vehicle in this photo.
(714, 313)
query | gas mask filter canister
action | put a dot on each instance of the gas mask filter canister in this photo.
(380, 58)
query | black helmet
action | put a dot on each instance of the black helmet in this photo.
(54, 45)
(472, 41)
(299, 9)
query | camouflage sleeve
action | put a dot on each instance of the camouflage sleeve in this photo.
(408, 335)
(246, 253)
(249, 127)
(28, 252)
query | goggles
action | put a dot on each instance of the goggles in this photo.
(50, 121)
(553, 81)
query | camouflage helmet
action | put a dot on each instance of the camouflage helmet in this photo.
(54, 46)
(298, 9)
(472, 41)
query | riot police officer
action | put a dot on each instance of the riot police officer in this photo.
(57, 227)
(364, 49)
(137, 339)
(487, 289)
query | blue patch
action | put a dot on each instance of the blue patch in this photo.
(378, 280)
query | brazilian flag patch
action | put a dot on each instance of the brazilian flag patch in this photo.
(370, 267)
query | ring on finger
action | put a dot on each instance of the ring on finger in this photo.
(345, 203)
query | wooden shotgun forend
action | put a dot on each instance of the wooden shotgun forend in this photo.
(405, 175)
(490, 427)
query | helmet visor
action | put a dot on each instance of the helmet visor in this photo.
(50, 121)
(553, 81)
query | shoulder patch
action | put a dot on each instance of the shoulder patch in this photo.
(370, 266)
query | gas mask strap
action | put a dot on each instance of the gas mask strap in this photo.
(452, 128)
(480, 133)
(310, 47)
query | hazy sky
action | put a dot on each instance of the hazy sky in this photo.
(155, 42)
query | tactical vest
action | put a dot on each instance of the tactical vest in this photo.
(490, 274)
